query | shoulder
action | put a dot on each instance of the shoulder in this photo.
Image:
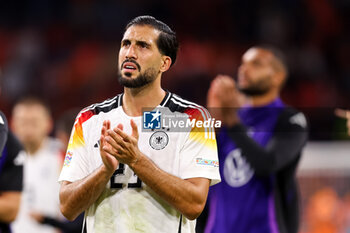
(178, 104)
(291, 118)
(97, 108)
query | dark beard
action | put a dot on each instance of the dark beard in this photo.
(258, 88)
(143, 79)
(251, 92)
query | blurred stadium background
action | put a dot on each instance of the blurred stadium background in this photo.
(66, 52)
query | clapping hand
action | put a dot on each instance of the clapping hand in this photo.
(223, 100)
(122, 146)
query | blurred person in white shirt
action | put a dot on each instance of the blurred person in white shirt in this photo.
(32, 124)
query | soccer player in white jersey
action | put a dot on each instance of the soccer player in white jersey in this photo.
(127, 179)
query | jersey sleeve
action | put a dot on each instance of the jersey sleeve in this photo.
(11, 165)
(75, 165)
(290, 136)
(198, 156)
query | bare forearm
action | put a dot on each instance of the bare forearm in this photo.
(187, 196)
(9, 205)
(78, 196)
(184, 195)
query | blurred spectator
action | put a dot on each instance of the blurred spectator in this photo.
(32, 123)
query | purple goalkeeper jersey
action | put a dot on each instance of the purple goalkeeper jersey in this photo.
(243, 202)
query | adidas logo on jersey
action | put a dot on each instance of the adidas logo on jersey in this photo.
(97, 144)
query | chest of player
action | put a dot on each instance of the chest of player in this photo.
(162, 147)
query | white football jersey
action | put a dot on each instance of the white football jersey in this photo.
(40, 188)
(127, 204)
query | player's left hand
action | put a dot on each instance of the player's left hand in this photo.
(124, 147)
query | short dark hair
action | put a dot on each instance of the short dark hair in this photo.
(280, 61)
(31, 100)
(278, 55)
(167, 42)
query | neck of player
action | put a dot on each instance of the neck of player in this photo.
(34, 147)
(148, 96)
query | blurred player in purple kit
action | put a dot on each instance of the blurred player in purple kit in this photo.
(259, 149)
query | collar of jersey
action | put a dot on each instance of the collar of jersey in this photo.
(162, 104)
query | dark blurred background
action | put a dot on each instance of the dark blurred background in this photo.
(66, 51)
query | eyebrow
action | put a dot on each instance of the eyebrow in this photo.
(138, 42)
(143, 43)
(125, 41)
(257, 61)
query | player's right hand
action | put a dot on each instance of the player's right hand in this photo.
(109, 161)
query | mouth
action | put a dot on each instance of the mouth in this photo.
(130, 66)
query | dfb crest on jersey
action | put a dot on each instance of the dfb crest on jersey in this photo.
(237, 171)
(151, 120)
(159, 140)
